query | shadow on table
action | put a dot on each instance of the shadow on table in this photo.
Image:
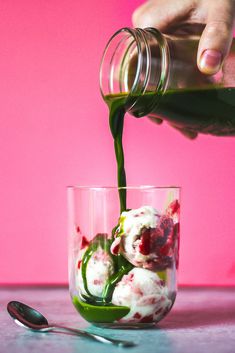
(199, 316)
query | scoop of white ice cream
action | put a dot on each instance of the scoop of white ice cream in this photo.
(132, 224)
(142, 291)
(147, 238)
(99, 268)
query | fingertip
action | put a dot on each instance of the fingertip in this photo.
(155, 120)
(214, 46)
(210, 61)
(191, 135)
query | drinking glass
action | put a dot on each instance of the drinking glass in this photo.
(123, 267)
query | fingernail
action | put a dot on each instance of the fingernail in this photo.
(210, 61)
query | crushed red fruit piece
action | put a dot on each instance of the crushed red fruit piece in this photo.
(173, 208)
(157, 238)
(78, 229)
(176, 241)
(144, 246)
(131, 276)
(148, 318)
(84, 242)
(115, 250)
(137, 316)
(165, 249)
(176, 232)
(166, 224)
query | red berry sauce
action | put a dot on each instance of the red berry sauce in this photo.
(84, 242)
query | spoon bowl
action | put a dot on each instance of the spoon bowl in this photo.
(26, 315)
(30, 318)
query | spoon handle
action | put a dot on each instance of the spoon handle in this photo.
(95, 337)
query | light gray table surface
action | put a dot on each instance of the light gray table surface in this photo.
(202, 320)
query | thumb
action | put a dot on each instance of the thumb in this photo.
(216, 38)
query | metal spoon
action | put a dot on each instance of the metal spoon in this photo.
(30, 318)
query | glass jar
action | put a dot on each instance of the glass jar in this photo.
(158, 76)
(123, 268)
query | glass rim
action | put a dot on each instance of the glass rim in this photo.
(131, 187)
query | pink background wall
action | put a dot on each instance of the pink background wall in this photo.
(54, 132)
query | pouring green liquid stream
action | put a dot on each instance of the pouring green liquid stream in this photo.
(95, 308)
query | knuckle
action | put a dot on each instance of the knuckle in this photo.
(135, 17)
(218, 28)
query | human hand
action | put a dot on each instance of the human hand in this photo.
(213, 18)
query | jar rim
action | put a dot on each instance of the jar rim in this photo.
(140, 38)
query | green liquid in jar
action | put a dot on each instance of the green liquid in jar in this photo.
(209, 111)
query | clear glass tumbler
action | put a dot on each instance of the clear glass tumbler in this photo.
(123, 268)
